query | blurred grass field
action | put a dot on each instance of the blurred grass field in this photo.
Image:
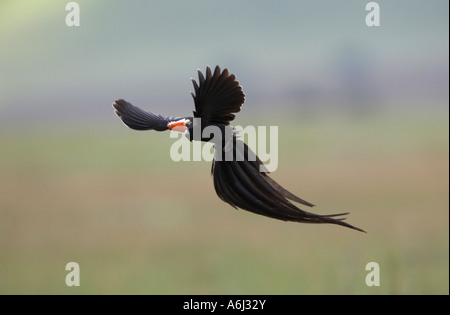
(112, 200)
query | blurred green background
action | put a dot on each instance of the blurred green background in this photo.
(363, 127)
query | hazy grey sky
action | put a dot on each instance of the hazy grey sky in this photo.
(289, 52)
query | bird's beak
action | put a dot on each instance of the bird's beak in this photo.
(179, 125)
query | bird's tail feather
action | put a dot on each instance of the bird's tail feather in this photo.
(242, 185)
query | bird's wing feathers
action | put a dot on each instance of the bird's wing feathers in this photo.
(138, 119)
(217, 96)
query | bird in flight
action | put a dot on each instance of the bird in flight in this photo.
(239, 178)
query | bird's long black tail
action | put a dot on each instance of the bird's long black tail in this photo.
(241, 184)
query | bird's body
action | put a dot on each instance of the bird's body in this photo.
(238, 179)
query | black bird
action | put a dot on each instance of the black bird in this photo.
(238, 174)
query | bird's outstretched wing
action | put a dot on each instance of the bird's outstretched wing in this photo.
(217, 96)
(241, 184)
(138, 119)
